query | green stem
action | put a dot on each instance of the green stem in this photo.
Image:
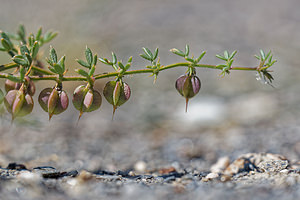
(50, 76)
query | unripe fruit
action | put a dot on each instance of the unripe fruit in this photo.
(53, 101)
(10, 85)
(188, 86)
(116, 93)
(86, 99)
(18, 103)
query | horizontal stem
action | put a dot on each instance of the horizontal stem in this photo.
(50, 76)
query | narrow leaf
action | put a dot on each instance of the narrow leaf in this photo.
(221, 57)
(187, 50)
(88, 56)
(61, 62)
(82, 63)
(92, 70)
(95, 60)
(148, 53)
(145, 57)
(53, 55)
(82, 72)
(58, 68)
(155, 54)
(20, 61)
(22, 73)
(201, 56)
(5, 44)
(262, 53)
(35, 49)
(24, 50)
(38, 34)
(177, 52)
(121, 65)
(114, 58)
(232, 54)
(226, 55)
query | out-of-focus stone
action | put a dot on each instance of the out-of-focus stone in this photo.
(220, 165)
(140, 166)
(273, 165)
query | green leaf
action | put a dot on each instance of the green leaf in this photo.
(53, 70)
(82, 63)
(187, 50)
(89, 56)
(155, 54)
(53, 55)
(145, 57)
(6, 44)
(35, 49)
(22, 73)
(49, 61)
(61, 62)
(49, 36)
(114, 58)
(190, 59)
(148, 53)
(82, 72)
(92, 70)
(232, 54)
(1, 96)
(267, 56)
(226, 55)
(20, 61)
(129, 59)
(177, 52)
(58, 69)
(95, 60)
(230, 63)
(22, 33)
(201, 56)
(221, 57)
(262, 53)
(121, 65)
(28, 58)
(38, 34)
(24, 50)
(2, 49)
(257, 57)
(31, 39)
(13, 78)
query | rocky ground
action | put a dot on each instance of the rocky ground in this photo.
(254, 176)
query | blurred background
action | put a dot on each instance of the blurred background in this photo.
(231, 115)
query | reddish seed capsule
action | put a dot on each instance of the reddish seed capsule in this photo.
(53, 101)
(86, 99)
(188, 86)
(116, 93)
(18, 103)
(30, 89)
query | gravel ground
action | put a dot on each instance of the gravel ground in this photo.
(239, 140)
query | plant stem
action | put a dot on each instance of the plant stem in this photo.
(50, 76)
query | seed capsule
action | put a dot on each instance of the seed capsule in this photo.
(116, 93)
(86, 99)
(18, 103)
(188, 86)
(53, 101)
(10, 85)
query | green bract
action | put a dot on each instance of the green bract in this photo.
(116, 93)
(86, 99)
(53, 101)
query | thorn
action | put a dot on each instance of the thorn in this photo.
(114, 110)
(80, 114)
(50, 116)
(186, 104)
